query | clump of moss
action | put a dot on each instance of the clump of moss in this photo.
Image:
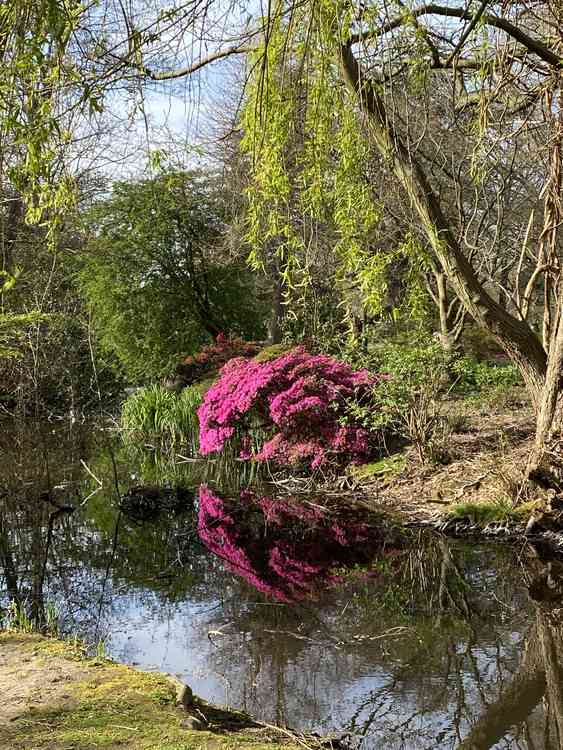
(387, 467)
(268, 353)
(499, 511)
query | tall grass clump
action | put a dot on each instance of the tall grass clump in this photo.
(163, 417)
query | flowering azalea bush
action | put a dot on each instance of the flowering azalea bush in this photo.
(285, 548)
(298, 400)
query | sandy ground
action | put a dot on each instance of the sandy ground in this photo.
(29, 682)
(52, 697)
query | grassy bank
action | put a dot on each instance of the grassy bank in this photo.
(55, 698)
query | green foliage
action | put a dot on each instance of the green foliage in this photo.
(54, 365)
(14, 325)
(313, 191)
(408, 401)
(16, 619)
(474, 376)
(421, 376)
(310, 159)
(156, 414)
(38, 82)
(156, 278)
(415, 371)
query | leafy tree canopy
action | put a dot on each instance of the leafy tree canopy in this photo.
(157, 275)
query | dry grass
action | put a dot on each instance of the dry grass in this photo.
(486, 461)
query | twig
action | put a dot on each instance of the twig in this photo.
(94, 477)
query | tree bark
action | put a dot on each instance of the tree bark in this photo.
(446, 338)
(7, 562)
(275, 332)
(14, 217)
(549, 631)
(549, 403)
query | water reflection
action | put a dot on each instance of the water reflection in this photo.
(434, 643)
(290, 548)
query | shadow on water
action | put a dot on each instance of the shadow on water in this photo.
(298, 610)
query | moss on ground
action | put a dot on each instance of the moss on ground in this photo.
(79, 703)
(271, 352)
(387, 467)
(486, 513)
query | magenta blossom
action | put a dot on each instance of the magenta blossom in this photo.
(298, 400)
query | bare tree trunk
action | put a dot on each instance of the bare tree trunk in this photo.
(275, 332)
(7, 562)
(549, 631)
(14, 217)
(446, 338)
(549, 403)
(275, 268)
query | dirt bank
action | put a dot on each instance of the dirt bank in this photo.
(54, 698)
(478, 489)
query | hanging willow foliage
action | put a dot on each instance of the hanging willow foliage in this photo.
(39, 85)
(311, 160)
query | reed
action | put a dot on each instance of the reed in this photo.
(169, 420)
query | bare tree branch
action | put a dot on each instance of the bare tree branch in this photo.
(532, 44)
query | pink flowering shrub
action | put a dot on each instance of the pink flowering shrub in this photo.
(284, 548)
(298, 400)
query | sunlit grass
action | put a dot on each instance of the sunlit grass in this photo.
(159, 415)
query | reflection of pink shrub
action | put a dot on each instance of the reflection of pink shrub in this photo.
(284, 548)
(298, 398)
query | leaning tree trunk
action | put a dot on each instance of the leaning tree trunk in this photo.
(516, 701)
(549, 405)
(549, 631)
(515, 336)
(548, 418)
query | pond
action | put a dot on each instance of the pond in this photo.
(302, 611)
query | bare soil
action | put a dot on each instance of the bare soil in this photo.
(30, 682)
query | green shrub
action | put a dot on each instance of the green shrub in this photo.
(408, 401)
(473, 376)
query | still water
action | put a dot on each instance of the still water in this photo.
(301, 611)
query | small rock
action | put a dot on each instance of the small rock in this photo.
(184, 694)
(192, 722)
